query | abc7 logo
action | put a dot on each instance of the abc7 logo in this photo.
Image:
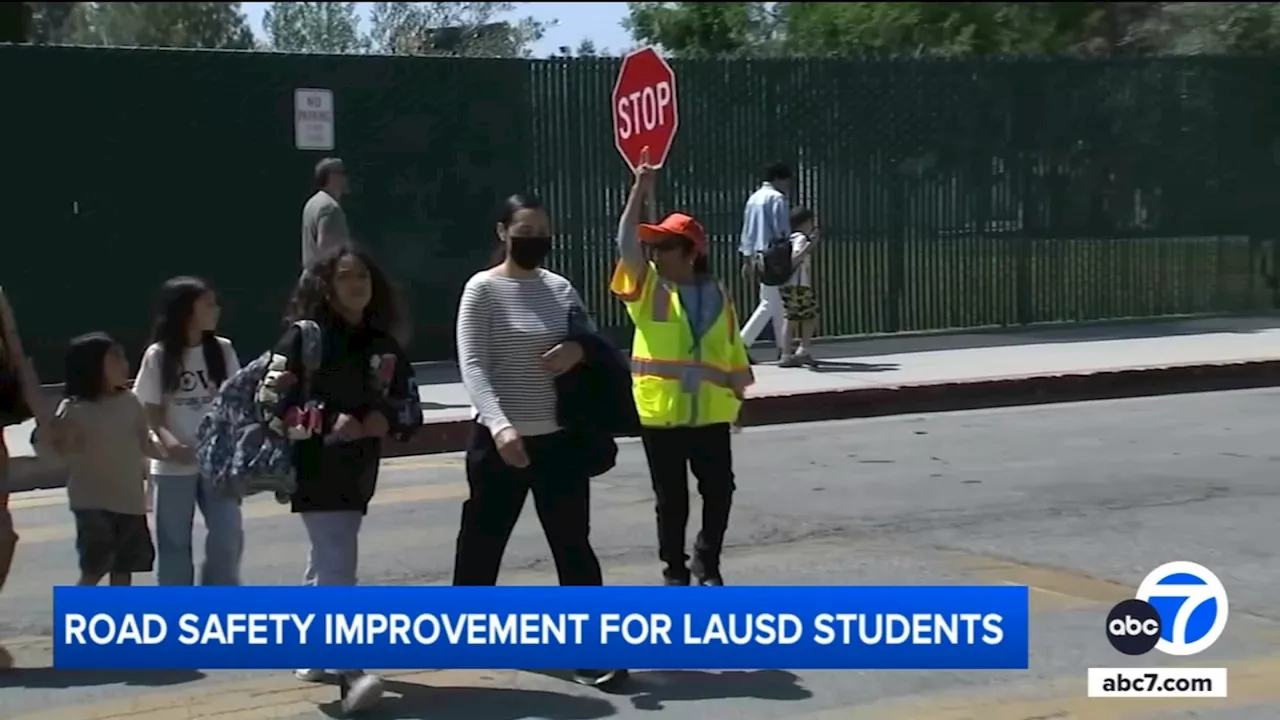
(1135, 627)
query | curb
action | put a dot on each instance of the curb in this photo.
(841, 404)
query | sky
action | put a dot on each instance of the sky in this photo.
(574, 21)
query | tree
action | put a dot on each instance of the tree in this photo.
(1194, 28)
(940, 29)
(705, 29)
(955, 29)
(585, 49)
(214, 25)
(452, 28)
(51, 23)
(317, 27)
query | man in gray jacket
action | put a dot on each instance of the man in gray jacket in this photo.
(324, 225)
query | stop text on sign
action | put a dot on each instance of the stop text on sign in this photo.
(644, 109)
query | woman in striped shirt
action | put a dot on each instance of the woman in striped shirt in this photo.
(513, 321)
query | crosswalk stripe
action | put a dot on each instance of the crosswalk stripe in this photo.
(265, 509)
(261, 509)
(58, 496)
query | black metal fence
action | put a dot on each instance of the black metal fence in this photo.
(950, 194)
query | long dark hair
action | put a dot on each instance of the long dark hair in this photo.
(174, 307)
(82, 366)
(310, 299)
(506, 214)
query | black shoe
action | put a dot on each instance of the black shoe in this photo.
(670, 581)
(706, 575)
(599, 678)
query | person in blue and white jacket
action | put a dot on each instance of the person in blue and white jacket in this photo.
(766, 219)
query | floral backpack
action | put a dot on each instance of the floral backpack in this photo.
(237, 449)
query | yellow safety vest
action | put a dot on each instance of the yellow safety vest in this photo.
(675, 381)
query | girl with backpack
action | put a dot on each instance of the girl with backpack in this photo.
(362, 392)
(177, 382)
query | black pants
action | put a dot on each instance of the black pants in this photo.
(708, 451)
(561, 495)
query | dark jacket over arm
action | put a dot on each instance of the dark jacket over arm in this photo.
(595, 403)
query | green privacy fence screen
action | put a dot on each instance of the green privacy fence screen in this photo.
(949, 194)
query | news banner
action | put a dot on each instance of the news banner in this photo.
(538, 628)
(1180, 609)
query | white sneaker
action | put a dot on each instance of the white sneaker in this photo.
(314, 676)
(360, 691)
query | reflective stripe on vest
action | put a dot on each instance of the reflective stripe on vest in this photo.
(690, 374)
(662, 301)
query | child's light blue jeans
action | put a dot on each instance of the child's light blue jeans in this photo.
(176, 500)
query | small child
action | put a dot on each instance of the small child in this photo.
(799, 303)
(101, 430)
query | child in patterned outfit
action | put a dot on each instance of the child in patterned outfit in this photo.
(799, 302)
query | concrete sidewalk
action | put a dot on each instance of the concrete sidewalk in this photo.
(906, 374)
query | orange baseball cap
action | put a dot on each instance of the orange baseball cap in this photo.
(676, 224)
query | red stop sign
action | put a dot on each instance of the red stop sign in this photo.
(644, 107)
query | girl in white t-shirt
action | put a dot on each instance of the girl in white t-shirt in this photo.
(177, 381)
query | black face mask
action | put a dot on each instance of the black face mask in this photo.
(529, 252)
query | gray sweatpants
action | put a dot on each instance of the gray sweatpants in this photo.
(335, 547)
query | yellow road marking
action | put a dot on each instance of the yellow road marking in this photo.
(1054, 588)
(264, 509)
(44, 499)
(1249, 682)
(49, 498)
(418, 462)
(277, 696)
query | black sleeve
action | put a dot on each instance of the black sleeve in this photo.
(396, 398)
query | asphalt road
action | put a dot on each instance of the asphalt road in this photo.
(1077, 501)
